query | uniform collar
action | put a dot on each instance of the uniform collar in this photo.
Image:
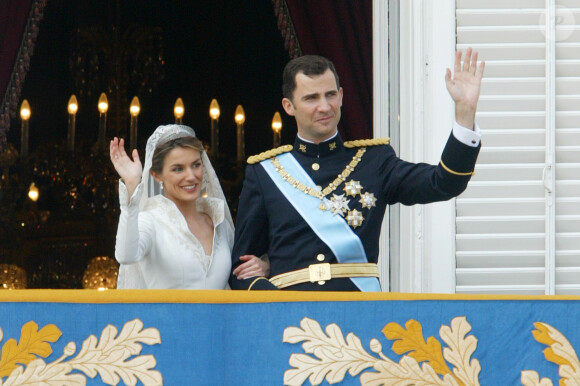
(330, 146)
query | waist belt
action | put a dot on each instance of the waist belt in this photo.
(323, 272)
(332, 230)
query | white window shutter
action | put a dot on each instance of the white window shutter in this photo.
(518, 223)
(567, 143)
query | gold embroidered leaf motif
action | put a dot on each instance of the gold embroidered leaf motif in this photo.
(460, 349)
(108, 356)
(406, 372)
(32, 343)
(39, 373)
(411, 341)
(333, 355)
(542, 335)
(560, 352)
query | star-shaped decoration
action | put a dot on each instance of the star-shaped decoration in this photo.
(338, 204)
(332, 146)
(352, 188)
(302, 148)
(354, 218)
(367, 200)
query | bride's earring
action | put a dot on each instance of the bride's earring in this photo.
(161, 185)
(203, 189)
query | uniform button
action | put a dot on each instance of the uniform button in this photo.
(315, 166)
(321, 282)
(320, 257)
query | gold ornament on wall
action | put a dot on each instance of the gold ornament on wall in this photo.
(12, 277)
(101, 273)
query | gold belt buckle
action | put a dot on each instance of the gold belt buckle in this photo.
(319, 272)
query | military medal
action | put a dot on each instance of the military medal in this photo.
(338, 204)
(352, 188)
(354, 218)
(367, 200)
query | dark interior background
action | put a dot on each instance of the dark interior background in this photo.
(228, 50)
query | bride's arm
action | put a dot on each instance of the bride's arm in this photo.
(135, 231)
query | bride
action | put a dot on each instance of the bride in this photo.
(175, 228)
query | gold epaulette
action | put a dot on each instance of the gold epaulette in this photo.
(367, 142)
(269, 154)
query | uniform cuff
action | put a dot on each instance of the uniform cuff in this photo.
(469, 137)
(458, 158)
(261, 283)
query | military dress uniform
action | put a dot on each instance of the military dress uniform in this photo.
(355, 181)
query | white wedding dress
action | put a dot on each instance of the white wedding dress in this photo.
(154, 245)
(168, 255)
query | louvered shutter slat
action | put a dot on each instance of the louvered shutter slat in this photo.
(500, 221)
(503, 215)
(567, 190)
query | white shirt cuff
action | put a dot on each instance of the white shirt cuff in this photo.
(467, 136)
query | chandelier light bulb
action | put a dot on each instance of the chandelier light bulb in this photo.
(178, 109)
(135, 107)
(240, 115)
(214, 109)
(277, 122)
(25, 110)
(73, 105)
(103, 103)
(33, 192)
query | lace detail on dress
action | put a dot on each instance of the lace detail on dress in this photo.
(214, 208)
(208, 259)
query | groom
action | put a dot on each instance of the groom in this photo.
(316, 208)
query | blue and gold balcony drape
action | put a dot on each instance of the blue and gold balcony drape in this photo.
(154, 337)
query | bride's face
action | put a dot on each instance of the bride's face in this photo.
(182, 175)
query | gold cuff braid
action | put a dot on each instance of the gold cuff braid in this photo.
(454, 172)
(255, 280)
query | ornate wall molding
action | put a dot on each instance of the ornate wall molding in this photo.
(21, 67)
(286, 28)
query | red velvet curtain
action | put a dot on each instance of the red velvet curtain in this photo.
(18, 30)
(342, 32)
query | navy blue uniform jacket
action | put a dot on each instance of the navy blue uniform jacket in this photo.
(267, 222)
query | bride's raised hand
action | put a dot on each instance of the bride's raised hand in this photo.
(129, 170)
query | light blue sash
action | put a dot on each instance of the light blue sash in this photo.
(332, 229)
